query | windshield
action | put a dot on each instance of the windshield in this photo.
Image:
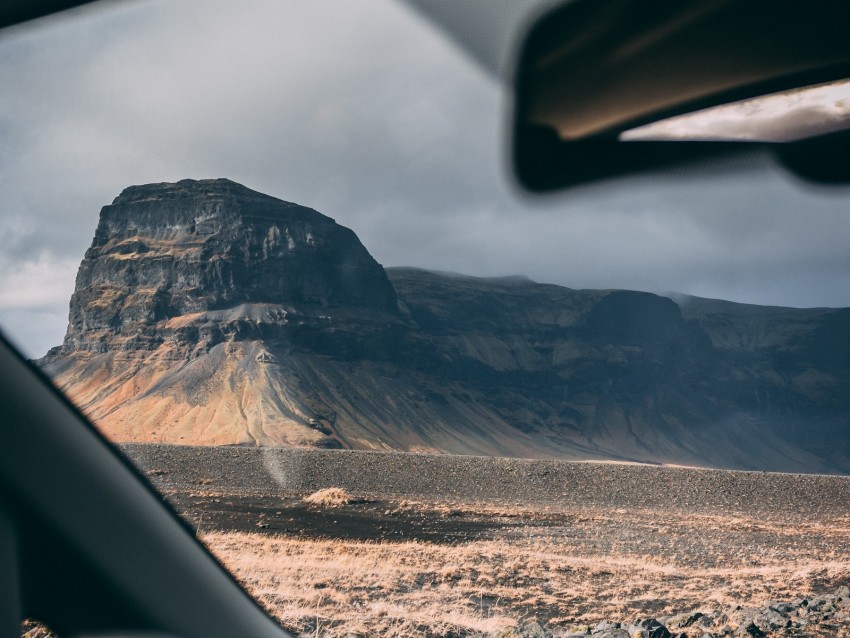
(289, 239)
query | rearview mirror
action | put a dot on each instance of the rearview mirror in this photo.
(608, 87)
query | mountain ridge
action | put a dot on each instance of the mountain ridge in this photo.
(207, 313)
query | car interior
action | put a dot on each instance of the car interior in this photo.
(90, 548)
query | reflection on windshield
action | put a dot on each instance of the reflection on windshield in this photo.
(787, 116)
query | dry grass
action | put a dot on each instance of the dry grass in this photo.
(330, 497)
(33, 629)
(590, 566)
(338, 588)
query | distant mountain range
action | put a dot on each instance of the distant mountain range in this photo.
(207, 313)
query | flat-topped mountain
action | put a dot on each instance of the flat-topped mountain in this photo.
(168, 251)
(207, 313)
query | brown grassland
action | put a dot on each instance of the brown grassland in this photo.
(564, 569)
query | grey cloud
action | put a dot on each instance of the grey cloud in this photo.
(364, 112)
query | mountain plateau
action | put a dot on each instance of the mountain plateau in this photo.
(206, 313)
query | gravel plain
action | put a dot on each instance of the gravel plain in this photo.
(493, 480)
(548, 548)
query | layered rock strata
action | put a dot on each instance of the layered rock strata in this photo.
(207, 313)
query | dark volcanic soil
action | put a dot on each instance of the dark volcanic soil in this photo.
(505, 481)
(364, 520)
(450, 499)
(567, 544)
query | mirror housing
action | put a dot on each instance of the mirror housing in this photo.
(592, 69)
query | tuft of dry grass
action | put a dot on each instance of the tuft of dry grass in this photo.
(34, 629)
(330, 497)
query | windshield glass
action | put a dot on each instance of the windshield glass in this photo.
(259, 243)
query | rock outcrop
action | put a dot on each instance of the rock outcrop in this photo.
(188, 298)
(207, 313)
(213, 249)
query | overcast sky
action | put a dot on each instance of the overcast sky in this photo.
(365, 112)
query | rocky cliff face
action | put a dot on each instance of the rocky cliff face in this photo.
(635, 376)
(166, 251)
(207, 313)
